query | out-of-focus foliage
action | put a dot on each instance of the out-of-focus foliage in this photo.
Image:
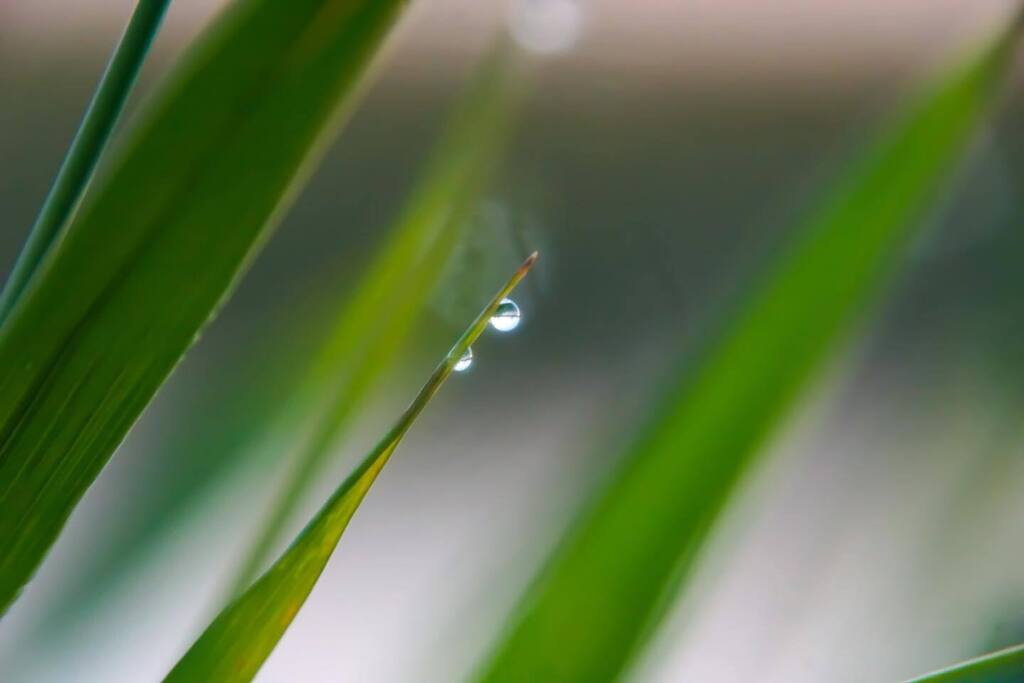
(1004, 666)
(365, 343)
(263, 412)
(243, 635)
(93, 135)
(157, 245)
(113, 301)
(603, 591)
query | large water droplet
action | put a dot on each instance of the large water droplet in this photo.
(546, 27)
(506, 316)
(463, 363)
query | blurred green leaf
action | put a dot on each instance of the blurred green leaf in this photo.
(238, 641)
(246, 419)
(365, 343)
(158, 244)
(235, 420)
(1006, 665)
(601, 595)
(87, 146)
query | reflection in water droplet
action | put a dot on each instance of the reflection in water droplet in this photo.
(546, 27)
(464, 362)
(506, 317)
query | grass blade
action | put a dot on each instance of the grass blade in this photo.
(398, 284)
(239, 640)
(245, 422)
(603, 591)
(88, 144)
(984, 669)
(158, 245)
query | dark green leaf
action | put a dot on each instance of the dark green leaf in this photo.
(158, 244)
(91, 139)
(1003, 666)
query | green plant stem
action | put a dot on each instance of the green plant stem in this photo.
(981, 669)
(87, 146)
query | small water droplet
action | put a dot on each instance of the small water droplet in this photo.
(506, 316)
(463, 363)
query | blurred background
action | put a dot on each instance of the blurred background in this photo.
(665, 147)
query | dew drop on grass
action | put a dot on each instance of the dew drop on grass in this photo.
(463, 363)
(506, 317)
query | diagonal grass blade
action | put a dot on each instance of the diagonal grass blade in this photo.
(158, 245)
(243, 635)
(87, 146)
(603, 591)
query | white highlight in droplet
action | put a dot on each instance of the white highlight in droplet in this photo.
(506, 317)
(463, 363)
(546, 27)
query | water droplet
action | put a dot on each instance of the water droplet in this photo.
(463, 363)
(546, 27)
(506, 317)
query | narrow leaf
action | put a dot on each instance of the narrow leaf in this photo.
(87, 146)
(239, 640)
(986, 669)
(158, 245)
(347, 360)
(602, 593)
(366, 342)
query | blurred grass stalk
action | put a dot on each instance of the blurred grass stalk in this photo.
(87, 146)
(359, 347)
(160, 241)
(242, 636)
(1004, 666)
(604, 590)
(375, 325)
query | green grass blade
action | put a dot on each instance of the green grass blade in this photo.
(230, 426)
(238, 641)
(238, 423)
(984, 669)
(604, 589)
(368, 342)
(88, 144)
(159, 243)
